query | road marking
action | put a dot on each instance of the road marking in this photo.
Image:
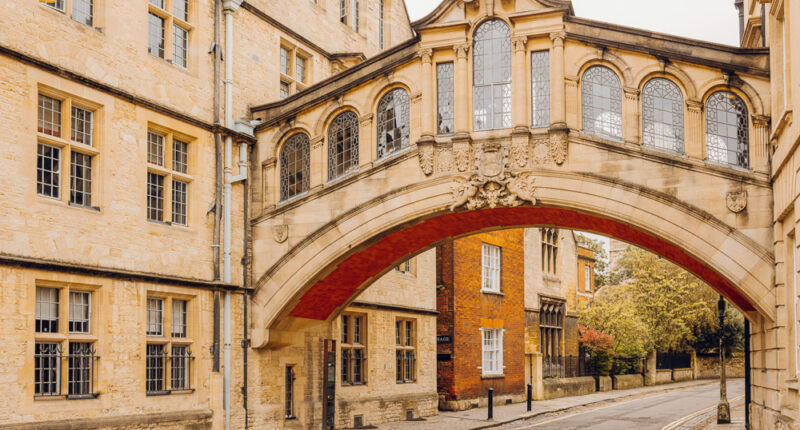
(680, 421)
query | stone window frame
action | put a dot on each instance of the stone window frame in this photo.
(540, 88)
(550, 238)
(552, 315)
(352, 345)
(407, 268)
(596, 121)
(396, 101)
(288, 75)
(76, 10)
(75, 373)
(344, 129)
(289, 391)
(494, 363)
(405, 350)
(495, 61)
(742, 152)
(491, 268)
(171, 24)
(167, 171)
(665, 91)
(349, 14)
(83, 142)
(167, 342)
(445, 98)
(300, 144)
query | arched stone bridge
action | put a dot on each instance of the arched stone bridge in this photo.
(322, 233)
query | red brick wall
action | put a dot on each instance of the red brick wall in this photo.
(445, 319)
(471, 306)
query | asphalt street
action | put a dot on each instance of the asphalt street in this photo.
(651, 412)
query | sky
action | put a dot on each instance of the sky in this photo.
(709, 20)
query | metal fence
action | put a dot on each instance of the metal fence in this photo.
(567, 367)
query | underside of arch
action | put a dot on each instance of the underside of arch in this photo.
(361, 267)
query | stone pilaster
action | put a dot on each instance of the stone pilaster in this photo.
(519, 85)
(366, 143)
(319, 168)
(630, 116)
(558, 114)
(694, 139)
(269, 181)
(759, 147)
(462, 87)
(427, 122)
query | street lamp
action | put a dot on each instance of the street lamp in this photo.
(723, 409)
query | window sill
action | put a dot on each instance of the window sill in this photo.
(89, 208)
(183, 391)
(391, 156)
(158, 393)
(493, 293)
(407, 382)
(360, 384)
(169, 62)
(82, 396)
(497, 376)
(164, 223)
(37, 398)
(51, 337)
(738, 169)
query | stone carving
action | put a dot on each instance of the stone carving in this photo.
(444, 160)
(519, 43)
(519, 152)
(558, 146)
(736, 201)
(461, 155)
(492, 183)
(541, 151)
(426, 159)
(280, 233)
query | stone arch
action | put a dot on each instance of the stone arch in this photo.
(325, 271)
(482, 18)
(378, 91)
(608, 59)
(329, 113)
(671, 72)
(280, 137)
(736, 85)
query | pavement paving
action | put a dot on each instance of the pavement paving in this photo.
(640, 408)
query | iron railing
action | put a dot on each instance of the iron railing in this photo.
(567, 367)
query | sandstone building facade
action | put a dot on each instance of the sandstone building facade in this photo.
(112, 197)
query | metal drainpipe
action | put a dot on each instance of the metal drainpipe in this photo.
(218, 179)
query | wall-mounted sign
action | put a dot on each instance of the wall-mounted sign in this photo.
(444, 339)
(443, 357)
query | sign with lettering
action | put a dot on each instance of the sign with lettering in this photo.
(444, 339)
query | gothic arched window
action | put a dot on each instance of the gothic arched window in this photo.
(343, 145)
(549, 250)
(491, 54)
(662, 115)
(601, 98)
(393, 122)
(295, 166)
(727, 136)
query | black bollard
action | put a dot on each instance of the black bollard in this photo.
(491, 403)
(530, 394)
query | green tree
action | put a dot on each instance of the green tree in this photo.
(600, 256)
(707, 334)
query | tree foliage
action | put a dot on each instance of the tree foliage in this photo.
(656, 306)
(600, 256)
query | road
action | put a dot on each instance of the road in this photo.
(652, 412)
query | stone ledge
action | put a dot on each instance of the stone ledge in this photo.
(113, 421)
(567, 387)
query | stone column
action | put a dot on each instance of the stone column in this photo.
(694, 139)
(519, 86)
(651, 369)
(759, 147)
(462, 86)
(558, 114)
(630, 116)
(367, 143)
(538, 381)
(427, 127)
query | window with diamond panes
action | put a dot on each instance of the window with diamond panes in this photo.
(490, 268)
(393, 122)
(601, 96)
(445, 101)
(47, 300)
(491, 54)
(540, 88)
(48, 171)
(80, 307)
(662, 115)
(343, 145)
(727, 130)
(295, 166)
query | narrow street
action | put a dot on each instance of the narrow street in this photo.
(651, 412)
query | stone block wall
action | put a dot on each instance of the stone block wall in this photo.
(707, 366)
(567, 387)
(625, 382)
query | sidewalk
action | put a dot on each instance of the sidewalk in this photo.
(476, 418)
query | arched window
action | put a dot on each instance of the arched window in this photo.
(727, 136)
(295, 166)
(602, 103)
(549, 250)
(393, 122)
(491, 56)
(343, 145)
(662, 115)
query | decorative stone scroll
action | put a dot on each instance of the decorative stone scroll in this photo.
(461, 151)
(280, 233)
(736, 201)
(559, 143)
(492, 183)
(426, 159)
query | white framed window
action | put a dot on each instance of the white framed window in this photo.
(587, 278)
(490, 268)
(169, 31)
(492, 351)
(80, 311)
(82, 10)
(168, 359)
(155, 317)
(295, 69)
(355, 16)
(47, 310)
(168, 176)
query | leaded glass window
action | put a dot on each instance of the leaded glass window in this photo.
(393, 122)
(492, 76)
(727, 135)
(343, 145)
(602, 103)
(662, 115)
(445, 116)
(540, 88)
(295, 166)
